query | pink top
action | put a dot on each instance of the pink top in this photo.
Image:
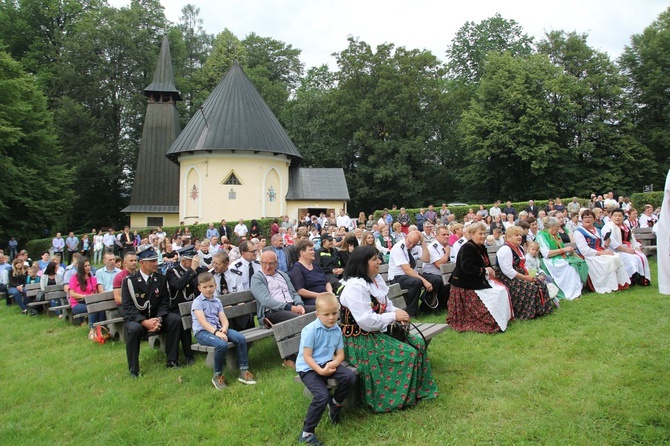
(91, 286)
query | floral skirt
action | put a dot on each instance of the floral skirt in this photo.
(393, 375)
(529, 299)
(467, 312)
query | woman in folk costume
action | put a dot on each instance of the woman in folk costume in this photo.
(606, 270)
(477, 302)
(529, 293)
(568, 270)
(662, 230)
(623, 242)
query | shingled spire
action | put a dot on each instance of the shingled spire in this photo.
(156, 187)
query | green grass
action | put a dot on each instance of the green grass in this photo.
(595, 372)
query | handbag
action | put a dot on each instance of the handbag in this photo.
(101, 334)
(398, 331)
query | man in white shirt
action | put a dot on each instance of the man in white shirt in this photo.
(610, 201)
(402, 270)
(109, 240)
(495, 210)
(343, 220)
(241, 229)
(439, 251)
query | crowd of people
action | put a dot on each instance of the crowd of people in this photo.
(331, 265)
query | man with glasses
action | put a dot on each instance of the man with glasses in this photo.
(245, 267)
(276, 297)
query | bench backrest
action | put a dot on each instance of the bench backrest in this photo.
(492, 250)
(287, 334)
(446, 269)
(100, 302)
(396, 295)
(32, 289)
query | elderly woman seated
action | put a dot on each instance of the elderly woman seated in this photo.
(530, 297)
(476, 302)
(568, 270)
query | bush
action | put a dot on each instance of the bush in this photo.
(640, 199)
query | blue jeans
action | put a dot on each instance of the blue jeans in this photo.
(92, 318)
(18, 297)
(221, 347)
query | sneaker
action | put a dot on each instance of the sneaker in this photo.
(310, 439)
(334, 412)
(219, 382)
(91, 334)
(246, 377)
(288, 364)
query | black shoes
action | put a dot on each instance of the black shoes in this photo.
(173, 365)
(190, 360)
(334, 412)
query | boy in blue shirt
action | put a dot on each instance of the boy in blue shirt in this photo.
(320, 356)
(210, 326)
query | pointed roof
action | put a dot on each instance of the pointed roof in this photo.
(163, 76)
(234, 117)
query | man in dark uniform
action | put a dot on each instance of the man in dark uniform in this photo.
(146, 308)
(244, 268)
(183, 287)
(327, 258)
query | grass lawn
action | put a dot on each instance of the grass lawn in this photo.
(597, 372)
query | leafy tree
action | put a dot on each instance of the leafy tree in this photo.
(35, 183)
(469, 50)
(106, 65)
(226, 49)
(646, 63)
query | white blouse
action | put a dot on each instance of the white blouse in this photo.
(356, 297)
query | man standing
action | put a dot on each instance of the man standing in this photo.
(329, 260)
(343, 220)
(276, 297)
(211, 231)
(431, 215)
(241, 229)
(573, 206)
(106, 275)
(509, 209)
(58, 245)
(109, 240)
(531, 209)
(224, 230)
(420, 219)
(403, 219)
(495, 210)
(146, 308)
(183, 287)
(402, 270)
(283, 253)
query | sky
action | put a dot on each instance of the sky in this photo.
(320, 28)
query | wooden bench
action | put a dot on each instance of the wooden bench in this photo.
(384, 272)
(492, 250)
(446, 269)
(57, 294)
(287, 337)
(234, 305)
(396, 294)
(31, 291)
(114, 322)
(647, 238)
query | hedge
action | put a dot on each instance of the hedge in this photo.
(640, 199)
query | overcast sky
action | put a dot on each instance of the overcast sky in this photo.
(320, 28)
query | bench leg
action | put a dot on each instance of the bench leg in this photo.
(231, 359)
(209, 361)
(353, 400)
(158, 342)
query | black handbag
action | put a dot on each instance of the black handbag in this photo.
(398, 331)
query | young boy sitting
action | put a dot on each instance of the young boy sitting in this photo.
(319, 357)
(210, 326)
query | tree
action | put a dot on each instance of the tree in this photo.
(646, 63)
(226, 49)
(596, 128)
(470, 48)
(35, 183)
(106, 65)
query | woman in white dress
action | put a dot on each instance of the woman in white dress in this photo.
(606, 270)
(622, 241)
